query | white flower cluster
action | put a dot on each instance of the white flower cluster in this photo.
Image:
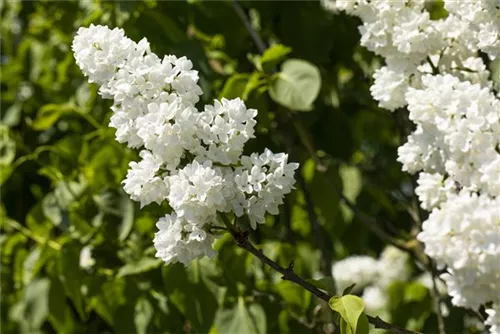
(372, 276)
(464, 235)
(493, 319)
(191, 158)
(435, 68)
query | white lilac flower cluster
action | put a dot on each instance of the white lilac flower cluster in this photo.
(436, 68)
(372, 276)
(190, 158)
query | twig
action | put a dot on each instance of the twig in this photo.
(288, 274)
(436, 297)
(435, 70)
(248, 25)
(52, 244)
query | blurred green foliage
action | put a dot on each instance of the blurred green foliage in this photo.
(61, 171)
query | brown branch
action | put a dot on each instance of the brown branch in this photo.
(288, 274)
(248, 25)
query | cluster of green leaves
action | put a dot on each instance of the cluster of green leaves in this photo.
(61, 173)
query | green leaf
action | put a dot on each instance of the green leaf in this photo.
(60, 314)
(49, 114)
(436, 9)
(324, 283)
(243, 319)
(348, 289)
(494, 68)
(255, 60)
(352, 184)
(415, 292)
(272, 56)
(34, 262)
(188, 292)
(18, 266)
(7, 147)
(143, 314)
(127, 210)
(363, 325)
(295, 296)
(12, 115)
(9, 246)
(5, 172)
(36, 303)
(170, 28)
(71, 275)
(350, 308)
(234, 86)
(297, 85)
(142, 266)
(109, 296)
(351, 181)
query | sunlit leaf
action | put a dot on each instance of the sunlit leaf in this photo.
(350, 308)
(142, 266)
(273, 55)
(297, 85)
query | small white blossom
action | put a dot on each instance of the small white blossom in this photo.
(86, 259)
